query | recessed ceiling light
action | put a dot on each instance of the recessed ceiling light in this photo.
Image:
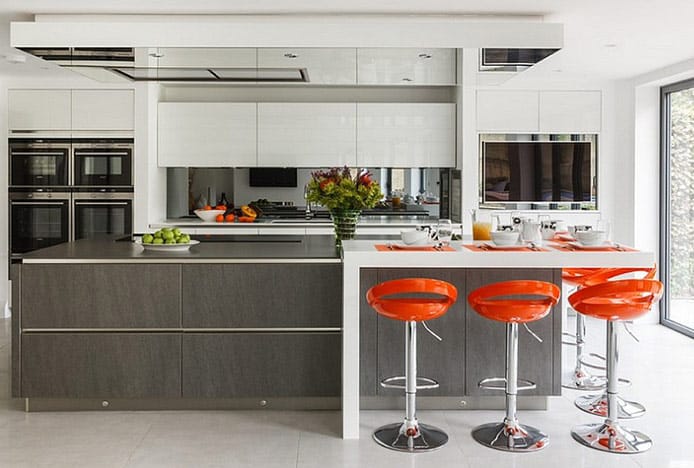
(611, 45)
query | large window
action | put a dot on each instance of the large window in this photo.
(677, 206)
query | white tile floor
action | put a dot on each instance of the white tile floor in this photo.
(661, 366)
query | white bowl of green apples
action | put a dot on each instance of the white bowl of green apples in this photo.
(167, 240)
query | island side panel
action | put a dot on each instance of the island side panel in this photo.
(16, 307)
(303, 295)
(485, 350)
(100, 296)
(368, 331)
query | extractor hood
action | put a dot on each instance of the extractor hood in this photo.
(512, 59)
(100, 63)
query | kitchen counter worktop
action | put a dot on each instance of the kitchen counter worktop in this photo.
(233, 249)
(364, 221)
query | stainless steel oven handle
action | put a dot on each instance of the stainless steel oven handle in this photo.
(106, 202)
(36, 153)
(101, 153)
(37, 203)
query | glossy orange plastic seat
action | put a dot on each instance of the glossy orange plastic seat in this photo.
(617, 300)
(576, 276)
(412, 309)
(484, 300)
(606, 274)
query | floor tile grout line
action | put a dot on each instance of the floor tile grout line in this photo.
(298, 449)
(140, 442)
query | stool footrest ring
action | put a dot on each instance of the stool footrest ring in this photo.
(499, 384)
(569, 339)
(423, 383)
(583, 360)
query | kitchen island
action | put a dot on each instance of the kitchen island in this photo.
(472, 347)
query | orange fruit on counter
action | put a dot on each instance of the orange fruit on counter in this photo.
(248, 211)
(207, 208)
(229, 218)
(246, 219)
(220, 207)
(220, 218)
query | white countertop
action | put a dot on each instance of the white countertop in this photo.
(366, 221)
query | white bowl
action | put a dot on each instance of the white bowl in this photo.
(505, 237)
(414, 237)
(548, 233)
(209, 215)
(591, 237)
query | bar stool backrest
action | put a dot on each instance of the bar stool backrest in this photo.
(487, 300)
(617, 300)
(410, 304)
(609, 274)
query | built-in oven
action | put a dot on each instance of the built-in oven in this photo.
(39, 163)
(38, 220)
(102, 163)
(98, 214)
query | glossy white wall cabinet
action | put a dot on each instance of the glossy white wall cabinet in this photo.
(206, 134)
(570, 111)
(400, 66)
(507, 111)
(406, 135)
(324, 66)
(103, 109)
(206, 57)
(38, 109)
(293, 134)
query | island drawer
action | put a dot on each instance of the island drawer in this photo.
(101, 365)
(271, 295)
(227, 365)
(87, 296)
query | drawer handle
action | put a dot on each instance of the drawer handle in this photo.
(289, 55)
(424, 56)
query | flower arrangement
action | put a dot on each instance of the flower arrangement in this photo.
(336, 189)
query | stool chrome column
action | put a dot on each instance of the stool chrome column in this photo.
(510, 435)
(411, 435)
(614, 301)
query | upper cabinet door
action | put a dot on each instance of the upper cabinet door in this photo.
(570, 111)
(507, 111)
(222, 57)
(324, 66)
(36, 110)
(103, 109)
(295, 134)
(207, 134)
(406, 135)
(387, 66)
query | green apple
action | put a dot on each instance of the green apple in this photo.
(158, 240)
(168, 235)
(158, 235)
(147, 239)
(177, 232)
(169, 241)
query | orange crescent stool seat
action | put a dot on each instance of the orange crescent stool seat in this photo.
(615, 301)
(492, 302)
(415, 309)
(411, 300)
(576, 276)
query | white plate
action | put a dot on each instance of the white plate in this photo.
(492, 245)
(401, 246)
(603, 246)
(168, 247)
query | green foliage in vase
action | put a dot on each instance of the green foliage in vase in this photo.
(337, 189)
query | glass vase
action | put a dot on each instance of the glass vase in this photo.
(345, 222)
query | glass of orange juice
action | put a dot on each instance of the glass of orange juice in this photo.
(481, 226)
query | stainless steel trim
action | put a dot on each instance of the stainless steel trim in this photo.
(37, 203)
(103, 195)
(35, 153)
(106, 202)
(101, 153)
(65, 196)
(186, 330)
(60, 261)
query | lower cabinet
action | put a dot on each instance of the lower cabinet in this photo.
(103, 365)
(227, 365)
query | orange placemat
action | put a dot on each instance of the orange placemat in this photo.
(573, 248)
(412, 248)
(487, 248)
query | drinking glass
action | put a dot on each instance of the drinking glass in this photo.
(604, 225)
(481, 226)
(444, 231)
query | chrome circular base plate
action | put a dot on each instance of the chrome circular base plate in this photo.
(581, 380)
(510, 437)
(597, 405)
(611, 438)
(394, 437)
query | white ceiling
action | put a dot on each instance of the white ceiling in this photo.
(604, 39)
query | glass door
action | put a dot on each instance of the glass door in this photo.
(677, 206)
(102, 218)
(37, 224)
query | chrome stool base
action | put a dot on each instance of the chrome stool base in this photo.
(585, 382)
(394, 436)
(597, 406)
(513, 437)
(611, 437)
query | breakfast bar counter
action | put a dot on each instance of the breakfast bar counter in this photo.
(472, 348)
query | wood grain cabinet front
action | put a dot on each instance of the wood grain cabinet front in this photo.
(228, 365)
(100, 296)
(101, 365)
(301, 295)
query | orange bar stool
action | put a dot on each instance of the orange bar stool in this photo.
(614, 302)
(581, 378)
(490, 302)
(410, 300)
(597, 404)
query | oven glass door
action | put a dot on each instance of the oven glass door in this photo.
(98, 218)
(39, 167)
(38, 224)
(102, 167)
